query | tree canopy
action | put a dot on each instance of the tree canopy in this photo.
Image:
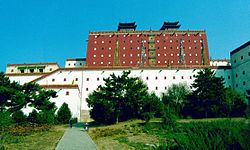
(121, 98)
(14, 96)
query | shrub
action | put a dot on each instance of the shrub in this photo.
(5, 119)
(18, 117)
(33, 117)
(47, 117)
(63, 114)
(74, 120)
(222, 134)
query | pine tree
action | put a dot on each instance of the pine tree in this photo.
(64, 114)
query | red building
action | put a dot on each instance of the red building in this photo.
(165, 47)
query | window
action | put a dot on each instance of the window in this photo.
(102, 48)
(165, 47)
(191, 61)
(244, 83)
(173, 77)
(97, 79)
(146, 78)
(123, 55)
(165, 78)
(241, 57)
(131, 48)
(165, 54)
(171, 54)
(102, 41)
(159, 62)
(235, 61)
(190, 77)
(109, 41)
(94, 56)
(64, 79)
(194, 41)
(195, 47)
(138, 48)
(131, 41)
(171, 41)
(124, 41)
(94, 49)
(196, 55)
(182, 77)
(109, 55)
(50, 69)
(93, 63)
(156, 78)
(31, 70)
(40, 70)
(101, 62)
(236, 75)
(109, 48)
(80, 64)
(67, 92)
(165, 88)
(228, 77)
(131, 55)
(171, 47)
(177, 47)
(123, 62)
(12, 70)
(53, 80)
(102, 55)
(87, 79)
(74, 64)
(248, 53)
(158, 47)
(159, 54)
(172, 61)
(87, 89)
(156, 88)
(123, 47)
(243, 73)
(76, 79)
(190, 54)
(236, 85)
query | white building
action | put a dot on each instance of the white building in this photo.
(220, 62)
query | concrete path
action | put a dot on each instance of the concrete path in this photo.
(76, 139)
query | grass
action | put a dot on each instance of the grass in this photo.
(42, 139)
(188, 134)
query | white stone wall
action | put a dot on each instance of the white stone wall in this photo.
(73, 101)
(21, 79)
(14, 69)
(241, 69)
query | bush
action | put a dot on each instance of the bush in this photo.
(74, 120)
(5, 119)
(33, 117)
(47, 117)
(222, 134)
(18, 117)
(64, 114)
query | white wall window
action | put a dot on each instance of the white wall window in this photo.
(94, 56)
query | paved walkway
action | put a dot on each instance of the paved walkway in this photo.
(76, 139)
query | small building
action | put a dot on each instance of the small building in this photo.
(75, 63)
(220, 62)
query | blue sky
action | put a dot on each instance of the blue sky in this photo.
(33, 31)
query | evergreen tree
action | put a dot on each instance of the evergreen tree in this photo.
(208, 95)
(64, 114)
(121, 98)
(18, 117)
